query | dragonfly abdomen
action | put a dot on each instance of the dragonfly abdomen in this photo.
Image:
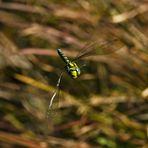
(71, 67)
(63, 57)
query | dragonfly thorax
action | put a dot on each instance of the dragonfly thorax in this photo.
(71, 67)
(73, 70)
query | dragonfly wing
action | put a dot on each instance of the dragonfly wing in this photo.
(85, 48)
(54, 102)
(99, 47)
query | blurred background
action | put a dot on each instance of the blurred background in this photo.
(107, 106)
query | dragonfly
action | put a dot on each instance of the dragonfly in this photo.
(73, 69)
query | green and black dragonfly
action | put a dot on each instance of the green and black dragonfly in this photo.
(73, 69)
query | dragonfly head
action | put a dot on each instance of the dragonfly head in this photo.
(73, 70)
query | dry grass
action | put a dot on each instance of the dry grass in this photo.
(106, 106)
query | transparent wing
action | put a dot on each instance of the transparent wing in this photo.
(99, 48)
(54, 102)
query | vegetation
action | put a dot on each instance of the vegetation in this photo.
(107, 106)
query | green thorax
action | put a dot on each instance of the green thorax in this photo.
(71, 67)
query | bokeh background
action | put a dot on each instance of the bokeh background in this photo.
(106, 107)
